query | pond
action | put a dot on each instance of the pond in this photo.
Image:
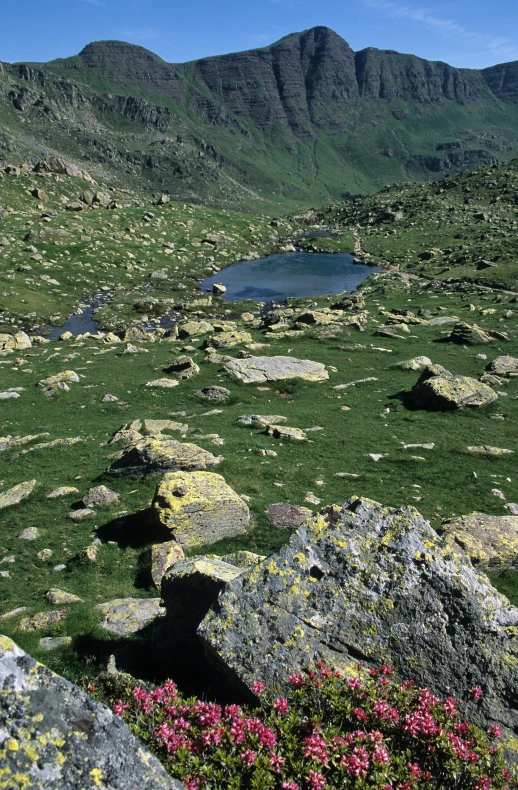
(290, 274)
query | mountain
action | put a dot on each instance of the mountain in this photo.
(301, 121)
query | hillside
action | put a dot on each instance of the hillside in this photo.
(299, 122)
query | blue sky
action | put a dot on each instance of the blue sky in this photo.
(465, 33)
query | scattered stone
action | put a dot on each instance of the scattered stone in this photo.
(13, 613)
(31, 533)
(50, 643)
(218, 289)
(17, 494)
(207, 512)
(469, 335)
(372, 583)
(489, 541)
(355, 383)
(505, 366)
(214, 393)
(286, 516)
(60, 597)
(125, 616)
(91, 746)
(63, 491)
(81, 514)
(9, 395)
(159, 426)
(163, 557)
(499, 494)
(44, 554)
(36, 622)
(311, 498)
(261, 420)
(486, 449)
(109, 398)
(161, 454)
(417, 363)
(257, 370)
(100, 496)
(163, 383)
(512, 507)
(194, 329)
(228, 339)
(283, 432)
(185, 367)
(53, 382)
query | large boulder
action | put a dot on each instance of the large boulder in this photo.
(469, 335)
(55, 737)
(489, 541)
(161, 454)
(370, 583)
(20, 341)
(439, 390)
(257, 370)
(199, 508)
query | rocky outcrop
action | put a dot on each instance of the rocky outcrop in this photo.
(439, 390)
(54, 736)
(369, 583)
(199, 508)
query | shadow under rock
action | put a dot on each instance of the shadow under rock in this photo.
(135, 531)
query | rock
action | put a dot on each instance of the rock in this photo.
(60, 597)
(66, 336)
(63, 491)
(257, 370)
(261, 420)
(488, 541)
(314, 317)
(159, 426)
(17, 342)
(161, 454)
(184, 366)
(163, 557)
(58, 737)
(243, 559)
(417, 363)
(125, 616)
(90, 553)
(55, 382)
(505, 366)
(512, 507)
(486, 449)
(31, 533)
(50, 643)
(228, 339)
(42, 620)
(136, 334)
(81, 514)
(469, 335)
(109, 398)
(100, 496)
(438, 389)
(218, 289)
(207, 512)
(162, 383)
(190, 588)
(286, 516)
(9, 395)
(17, 494)
(44, 554)
(283, 432)
(194, 329)
(370, 583)
(355, 383)
(214, 393)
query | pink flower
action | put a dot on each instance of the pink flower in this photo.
(290, 786)
(450, 706)
(282, 706)
(354, 684)
(192, 783)
(139, 694)
(414, 770)
(316, 780)
(248, 757)
(297, 681)
(277, 762)
(316, 749)
(494, 731)
(484, 783)
(267, 737)
(384, 712)
(381, 755)
(257, 687)
(120, 707)
(476, 692)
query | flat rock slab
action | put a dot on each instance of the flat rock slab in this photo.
(17, 494)
(125, 616)
(370, 583)
(257, 370)
(59, 738)
(286, 516)
(199, 508)
(161, 454)
(489, 541)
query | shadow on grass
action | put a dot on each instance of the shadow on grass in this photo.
(135, 531)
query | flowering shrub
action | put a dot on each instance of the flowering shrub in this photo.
(330, 732)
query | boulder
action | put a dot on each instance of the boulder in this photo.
(228, 339)
(283, 432)
(65, 377)
(469, 335)
(199, 508)
(61, 597)
(194, 329)
(371, 583)
(286, 516)
(55, 736)
(214, 393)
(439, 390)
(417, 363)
(17, 342)
(100, 496)
(159, 426)
(125, 616)
(243, 559)
(161, 454)
(184, 367)
(489, 541)
(163, 557)
(505, 366)
(16, 494)
(218, 289)
(261, 420)
(190, 588)
(258, 370)
(487, 449)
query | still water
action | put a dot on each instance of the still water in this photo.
(290, 274)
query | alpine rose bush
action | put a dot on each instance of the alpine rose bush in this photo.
(331, 732)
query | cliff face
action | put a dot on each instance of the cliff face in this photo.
(302, 120)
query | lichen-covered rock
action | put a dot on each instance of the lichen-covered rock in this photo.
(61, 597)
(261, 420)
(199, 508)
(184, 367)
(283, 432)
(159, 426)
(161, 454)
(487, 449)
(257, 370)
(100, 496)
(35, 622)
(17, 493)
(163, 557)
(505, 366)
(65, 377)
(440, 390)
(229, 339)
(17, 342)
(489, 541)
(125, 616)
(416, 363)
(190, 588)
(243, 559)
(194, 328)
(367, 582)
(315, 317)
(214, 393)
(55, 737)
(469, 335)
(163, 383)
(285, 516)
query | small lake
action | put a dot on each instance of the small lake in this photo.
(290, 274)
